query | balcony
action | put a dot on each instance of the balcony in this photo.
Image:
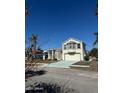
(71, 51)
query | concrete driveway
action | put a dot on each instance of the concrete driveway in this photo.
(82, 81)
(62, 64)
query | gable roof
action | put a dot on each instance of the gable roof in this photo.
(73, 39)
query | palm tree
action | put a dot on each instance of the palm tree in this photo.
(96, 12)
(96, 41)
(33, 41)
(94, 52)
(26, 12)
(96, 33)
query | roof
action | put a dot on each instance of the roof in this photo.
(73, 39)
(37, 52)
(55, 49)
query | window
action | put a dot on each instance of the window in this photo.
(65, 47)
(78, 46)
(70, 46)
(74, 45)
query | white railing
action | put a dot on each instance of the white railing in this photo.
(71, 50)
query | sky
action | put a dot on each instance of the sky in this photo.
(54, 21)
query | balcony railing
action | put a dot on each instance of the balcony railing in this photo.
(71, 50)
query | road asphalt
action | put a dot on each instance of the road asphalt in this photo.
(82, 81)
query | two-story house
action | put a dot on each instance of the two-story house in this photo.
(73, 50)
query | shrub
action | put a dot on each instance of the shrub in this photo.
(86, 58)
(49, 88)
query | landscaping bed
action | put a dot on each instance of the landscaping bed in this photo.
(90, 66)
(80, 68)
(81, 63)
(94, 65)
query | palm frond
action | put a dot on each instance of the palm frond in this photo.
(96, 41)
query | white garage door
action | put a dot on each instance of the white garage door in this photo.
(72, 57)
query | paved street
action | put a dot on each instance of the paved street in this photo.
(82, 81)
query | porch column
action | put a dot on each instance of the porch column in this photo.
(43, 57)
(52, 54)
(48, 54)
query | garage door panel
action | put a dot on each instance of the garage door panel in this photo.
(73, 57)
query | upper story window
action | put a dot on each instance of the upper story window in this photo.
(78, 46)
(71, 46)
(74, 46)
(65, 47)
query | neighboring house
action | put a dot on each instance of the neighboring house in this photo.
(54, 54)
(58, 54)
(38, 54)
(45, 55)
(73, 50)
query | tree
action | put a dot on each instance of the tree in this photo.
(96, 40)
(26, 12)
(94, 53)
(96, 12)
(96, 33)
(33, 41)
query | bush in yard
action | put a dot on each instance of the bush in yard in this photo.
(43, 87)
(86, 58)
